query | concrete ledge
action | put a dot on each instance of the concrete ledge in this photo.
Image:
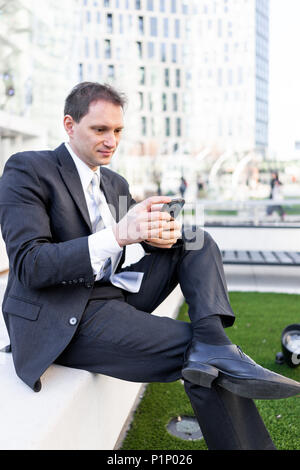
(76, 410)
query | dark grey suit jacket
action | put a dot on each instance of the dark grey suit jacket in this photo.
(45, 225)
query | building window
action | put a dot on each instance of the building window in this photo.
(167, 77)
(175, 101)
(162, 6)
(219, 28)
(88, 16)
(167, 127)
(151, 50)
(107, 49)
(185, 9)
(177, 28)
(111, 71)
(144, 125)
(178, 78)
(106, 3)
(139, 50)
(142, 80)
(80, 72)
(97, 51)
(121, 24)
(150, 6)
(150, 101)
(141, 24)
(153, 77)
(163, 52)
(137, 4)
(152, 127)
(109, 23)
(141, 100)
(164, 102)
(173, 6)
(178, 127)
(174, 52)
(153, 26)
(166, 27)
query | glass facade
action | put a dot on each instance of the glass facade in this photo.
(147, 39)
(193, 55)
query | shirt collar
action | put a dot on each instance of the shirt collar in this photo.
(85, 172)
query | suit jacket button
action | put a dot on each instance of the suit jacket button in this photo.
(73, 321)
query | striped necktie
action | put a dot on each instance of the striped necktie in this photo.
(97, 221)
(94, 191)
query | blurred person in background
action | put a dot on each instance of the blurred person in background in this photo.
(276, 196)
(182, 186)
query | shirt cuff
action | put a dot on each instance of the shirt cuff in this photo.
(102, 245)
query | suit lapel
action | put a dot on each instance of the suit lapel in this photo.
(110, 195)
(71, 179)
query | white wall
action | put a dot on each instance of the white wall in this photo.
(269, 239)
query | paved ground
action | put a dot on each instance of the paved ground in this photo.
(285, 279)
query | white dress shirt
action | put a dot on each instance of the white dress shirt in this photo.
(103, 244)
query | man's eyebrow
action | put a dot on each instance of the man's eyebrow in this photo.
(105, 127)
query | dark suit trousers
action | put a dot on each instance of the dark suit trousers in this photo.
(120, 338)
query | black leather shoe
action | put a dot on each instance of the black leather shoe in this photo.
(233, 370)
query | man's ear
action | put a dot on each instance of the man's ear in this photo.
(69, 125)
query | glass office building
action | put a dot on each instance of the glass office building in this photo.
(143, 48)
(232, 74)
(36, 44)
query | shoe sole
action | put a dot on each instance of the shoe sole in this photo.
(204, 375)
(257, 389)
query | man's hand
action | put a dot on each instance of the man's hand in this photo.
(169, 236)
(143, 224)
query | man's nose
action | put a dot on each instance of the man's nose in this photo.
(110, 140)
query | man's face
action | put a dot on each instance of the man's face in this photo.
(96, 137)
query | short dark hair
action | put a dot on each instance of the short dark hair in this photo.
(78, 101)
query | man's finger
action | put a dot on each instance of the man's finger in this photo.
(152, 216)
(155, 200)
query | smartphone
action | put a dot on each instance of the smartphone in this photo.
(174, 207)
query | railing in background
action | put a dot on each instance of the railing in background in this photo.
(268, 212)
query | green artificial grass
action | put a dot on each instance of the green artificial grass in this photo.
(260, 319)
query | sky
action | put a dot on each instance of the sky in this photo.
(284, 126)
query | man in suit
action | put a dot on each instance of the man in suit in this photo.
(73, 299)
